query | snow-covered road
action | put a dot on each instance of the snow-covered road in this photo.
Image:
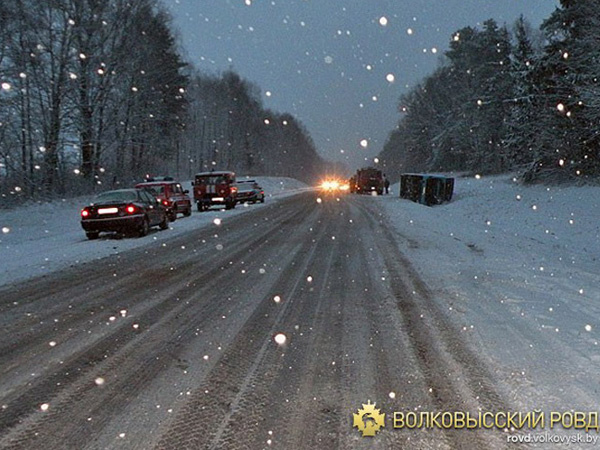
(286, 317)
(281, 320)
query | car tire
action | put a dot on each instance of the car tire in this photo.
(201, 207)
(91, 235)
(144, 228)
(173, 216)
(188, 211)
(164, 224)
(262, 200)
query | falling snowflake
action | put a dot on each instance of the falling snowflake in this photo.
(280, 338)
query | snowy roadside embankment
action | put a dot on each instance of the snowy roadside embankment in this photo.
(42, 238)
(517, 268)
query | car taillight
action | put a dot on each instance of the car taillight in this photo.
(85, 213)
(131, 209)
(166, 202)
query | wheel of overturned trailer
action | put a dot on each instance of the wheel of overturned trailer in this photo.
(91, 235)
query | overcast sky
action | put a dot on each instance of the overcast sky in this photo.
(328, 62)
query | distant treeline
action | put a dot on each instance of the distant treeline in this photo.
(505, 100)
(95, 94)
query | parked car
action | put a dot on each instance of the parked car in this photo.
(128, 211)
(250, 191)
(215, 188)
(171, 194)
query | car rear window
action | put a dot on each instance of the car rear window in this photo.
(147, 197)
(117, 196)
(155, 190)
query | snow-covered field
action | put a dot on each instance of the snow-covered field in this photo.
(42, 238)
(518, 269)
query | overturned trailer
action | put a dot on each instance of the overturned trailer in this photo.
(426, 189)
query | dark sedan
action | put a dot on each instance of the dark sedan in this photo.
(128, 211)
(250, 191)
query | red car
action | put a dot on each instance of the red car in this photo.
(170, 193)
(129, 211)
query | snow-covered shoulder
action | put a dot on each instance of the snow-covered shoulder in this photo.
(42, 238)
(517, 269)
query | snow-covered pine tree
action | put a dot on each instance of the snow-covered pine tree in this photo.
(567, 77)
(519, 140)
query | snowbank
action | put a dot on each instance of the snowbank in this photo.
(39, 239)
(517, 268)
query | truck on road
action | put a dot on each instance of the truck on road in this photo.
(215, 188)
(367, 180)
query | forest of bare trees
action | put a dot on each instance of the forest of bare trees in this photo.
(95, 94)
(227, 126)
(508, 99)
